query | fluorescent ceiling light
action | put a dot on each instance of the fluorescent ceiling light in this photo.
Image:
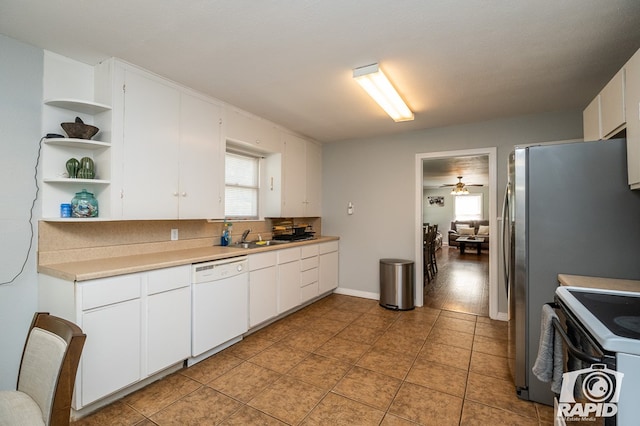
(376, 84)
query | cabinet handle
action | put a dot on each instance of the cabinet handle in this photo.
(175, 194)
(184, 194)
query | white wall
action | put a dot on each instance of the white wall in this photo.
(377, 176)
(20, 122)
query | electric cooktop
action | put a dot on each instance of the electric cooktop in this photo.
(612, 317)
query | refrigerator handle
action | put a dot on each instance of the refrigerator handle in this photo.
(505, 250)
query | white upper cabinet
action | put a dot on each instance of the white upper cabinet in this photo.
(201, 158)
(612, 116)
(171, 151)
(259, 134)
(591, 121)
(632, 107)
(301, 183)
(150, 147)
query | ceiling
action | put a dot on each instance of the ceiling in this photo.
(291, 62)
(437, 172)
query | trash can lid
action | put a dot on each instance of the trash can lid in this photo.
(396, 261)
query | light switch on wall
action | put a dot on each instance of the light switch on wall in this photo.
(350, 208)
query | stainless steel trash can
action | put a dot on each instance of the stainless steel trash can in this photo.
(396, 284)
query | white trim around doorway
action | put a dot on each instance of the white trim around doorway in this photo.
(491, 152)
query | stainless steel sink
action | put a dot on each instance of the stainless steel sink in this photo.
(257, 244)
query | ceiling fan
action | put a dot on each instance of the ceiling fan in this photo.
(460, 188)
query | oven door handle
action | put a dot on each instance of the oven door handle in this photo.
(574, 351)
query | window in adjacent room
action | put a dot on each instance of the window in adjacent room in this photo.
(468, 207)
(242, 177)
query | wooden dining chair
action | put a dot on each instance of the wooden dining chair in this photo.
(47, 374)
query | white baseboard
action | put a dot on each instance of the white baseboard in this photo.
(357, 293)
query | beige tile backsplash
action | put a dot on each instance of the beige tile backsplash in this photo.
(61, 242)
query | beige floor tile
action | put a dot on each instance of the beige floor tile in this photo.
(204, 406)
(420, 317)
(446, 355)
(276, 331)
(288, 399)
(279, 357)
(374, 321)
(339, 314)
(212, 367)
(490, 365)
(327, 325)
(361, 334)
(459, 315)
(501, 395)
(336, 410)
(344, 350)
(402, 343)
(250, 416)
(245, 381)
(117, 413)
(409, 328)
(495, 331)
(490, 345)
(391, 420)
(357, 304)
(545, 413)
(307, 340)
(426, 406)
(390, 363)
(439, 377)
(248, 347)
(162, 393)
(320, 371)
(455, 324)
(451, 338)
(368, 387)
(482, 415)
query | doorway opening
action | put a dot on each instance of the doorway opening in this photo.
(436, 205)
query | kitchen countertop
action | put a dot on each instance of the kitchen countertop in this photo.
(108, 267)
(596, 282)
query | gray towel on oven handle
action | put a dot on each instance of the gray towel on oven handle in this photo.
(549, 363)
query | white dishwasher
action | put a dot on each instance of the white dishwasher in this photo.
(219, 303)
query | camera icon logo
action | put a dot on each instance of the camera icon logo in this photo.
(590, 392)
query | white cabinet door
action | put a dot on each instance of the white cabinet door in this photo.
(263, 295)
(612, 116)
(632, 107)
(313, 201)
(253, 131)
(150, 146)
(328, 271)
(591, 121)
(288, 286)
(294, 176)
(168, 328)
(201, 171)
(111, 355)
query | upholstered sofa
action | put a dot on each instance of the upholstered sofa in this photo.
(455, 232)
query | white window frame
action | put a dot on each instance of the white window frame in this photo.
(460, 200)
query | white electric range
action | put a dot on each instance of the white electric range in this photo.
(605, 325)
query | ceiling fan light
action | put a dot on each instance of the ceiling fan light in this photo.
(377, 85)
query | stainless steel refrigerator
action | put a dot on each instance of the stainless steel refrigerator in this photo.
(568, 210)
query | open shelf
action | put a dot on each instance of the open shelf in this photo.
(86, 107)
(77, 143)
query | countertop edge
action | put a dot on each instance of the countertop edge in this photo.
(599, 282)
(109, 267)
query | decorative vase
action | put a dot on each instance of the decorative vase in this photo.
(84, 204)
(87, 169)
(72, 167)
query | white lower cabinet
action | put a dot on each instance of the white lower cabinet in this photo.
(263, 287)
(328, 269)
(111, 355)
(168, 317)
(136, 325)
(309, 272)
(288, 279)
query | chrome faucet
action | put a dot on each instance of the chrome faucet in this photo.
(245, 234)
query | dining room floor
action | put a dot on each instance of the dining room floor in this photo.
(344, 360)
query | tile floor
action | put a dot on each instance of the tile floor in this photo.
(344, 361)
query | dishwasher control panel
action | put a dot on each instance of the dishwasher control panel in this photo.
(219, 269)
